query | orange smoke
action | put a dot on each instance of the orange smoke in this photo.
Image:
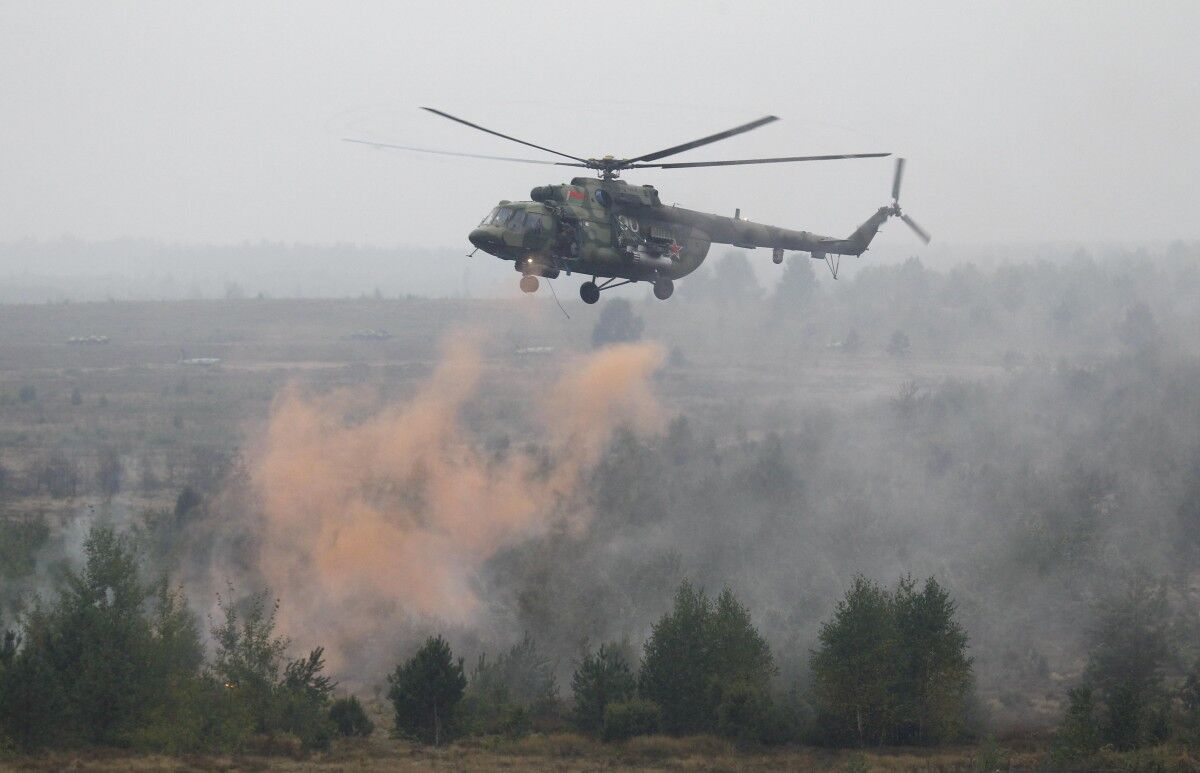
(392, 510)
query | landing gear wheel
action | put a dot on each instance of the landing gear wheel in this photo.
(589, 292)
(529, 283)
(663, 289)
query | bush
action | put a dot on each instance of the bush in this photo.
(745, 713)
(350, 719)
(626, 719)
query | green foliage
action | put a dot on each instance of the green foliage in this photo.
(1079, 736)
(853, 666)
(249, 655)
(517, 721)
(20, 540)
(934, 671)
(303, 699)
(350, 718)
(1122, 702)
(746, 713)
(892, 667)
(115, 662)
(676, 665)
(603, 677)
(426, 690)
(627, 719)
(98, 640)
(696, 651)
(111, 662)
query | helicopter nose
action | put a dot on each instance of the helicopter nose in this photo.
(481, 239)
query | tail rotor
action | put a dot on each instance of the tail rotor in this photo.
(894, 210)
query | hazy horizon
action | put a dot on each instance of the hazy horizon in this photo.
(223, 122)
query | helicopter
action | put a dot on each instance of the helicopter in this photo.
(620, 234)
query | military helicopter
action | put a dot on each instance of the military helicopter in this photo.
(620, 233)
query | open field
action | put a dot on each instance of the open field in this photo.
(134, 394)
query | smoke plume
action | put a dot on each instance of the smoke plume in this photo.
(374, 513)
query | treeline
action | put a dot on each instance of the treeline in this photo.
(890, 668)
(1141, 684)
(1073, 303)
(114, 661)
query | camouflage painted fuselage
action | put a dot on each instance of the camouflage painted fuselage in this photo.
(608, 228)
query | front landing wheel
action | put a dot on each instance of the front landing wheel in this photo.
(663, 289)
(529, 283)
(589, 292)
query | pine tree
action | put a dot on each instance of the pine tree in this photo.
(677, 664)
(603, 677)
(425, 691)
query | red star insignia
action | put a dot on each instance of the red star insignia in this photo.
(675, 249)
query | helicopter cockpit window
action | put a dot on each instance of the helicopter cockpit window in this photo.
(502, 215)
(518, 219)
(490, 216)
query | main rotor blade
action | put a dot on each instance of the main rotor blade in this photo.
(691, 164)
(704, 140)
(896, 178)
(505, 136)
(374, 144)
(918, 230)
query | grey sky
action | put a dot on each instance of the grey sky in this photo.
(220, 121)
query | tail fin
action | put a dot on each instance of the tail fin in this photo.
(858, 242)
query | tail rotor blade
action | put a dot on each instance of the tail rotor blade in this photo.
(918, 230)
(897, 178)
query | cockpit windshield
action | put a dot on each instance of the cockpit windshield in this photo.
(498, 216)
(516, 219)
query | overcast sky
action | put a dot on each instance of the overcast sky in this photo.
(220, 122)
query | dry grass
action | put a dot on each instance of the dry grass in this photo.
(570, 752)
